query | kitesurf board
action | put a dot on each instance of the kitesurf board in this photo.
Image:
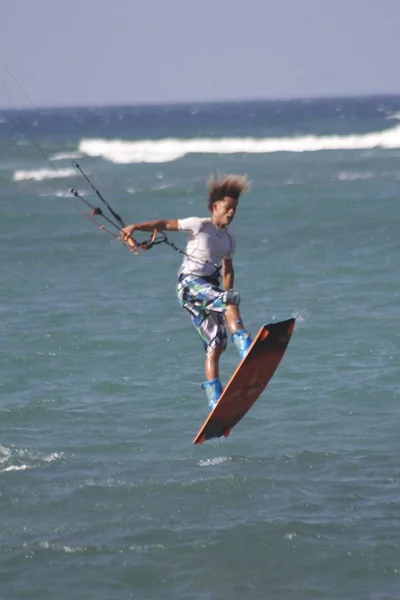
(248, 381)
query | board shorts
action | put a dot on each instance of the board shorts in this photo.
(204, 301)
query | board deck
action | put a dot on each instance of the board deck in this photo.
(248, 381)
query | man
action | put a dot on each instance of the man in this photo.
(208, 258)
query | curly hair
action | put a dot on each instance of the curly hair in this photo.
(226, 185)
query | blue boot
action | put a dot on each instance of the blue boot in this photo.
(213, 390)
(242, 341)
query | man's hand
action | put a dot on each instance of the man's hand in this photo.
(125, 237)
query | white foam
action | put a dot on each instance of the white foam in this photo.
(52, 456)
(68, 549)
(169, 149)
(65, 156)
(354, 175)
(7, 456)
(395, 115)
(16, 468)
(301, 316)
(210, 462)
(41, 174)
(5, 453)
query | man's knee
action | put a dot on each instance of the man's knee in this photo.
(217, 349)
(231, 297)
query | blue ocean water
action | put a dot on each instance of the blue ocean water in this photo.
(102, 494)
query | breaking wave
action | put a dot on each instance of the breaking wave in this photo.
(41, 174)
(20, 459)
(169, 149)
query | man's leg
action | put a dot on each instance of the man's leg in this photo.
(212, 386)
(212, 362)
(240, 337)
(212, 309)
(233, 319)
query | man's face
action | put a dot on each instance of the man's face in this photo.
(224, 210)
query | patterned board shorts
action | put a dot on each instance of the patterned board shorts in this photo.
(205, 302)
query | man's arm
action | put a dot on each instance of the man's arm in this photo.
(228, 274)
(159, 225)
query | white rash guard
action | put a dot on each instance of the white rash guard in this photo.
(207, 245)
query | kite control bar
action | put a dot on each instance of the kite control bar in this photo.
(131, 243)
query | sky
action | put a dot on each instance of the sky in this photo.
(122, 52)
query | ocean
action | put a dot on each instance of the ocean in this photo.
(102, 494)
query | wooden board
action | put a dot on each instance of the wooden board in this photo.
(248, 381)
